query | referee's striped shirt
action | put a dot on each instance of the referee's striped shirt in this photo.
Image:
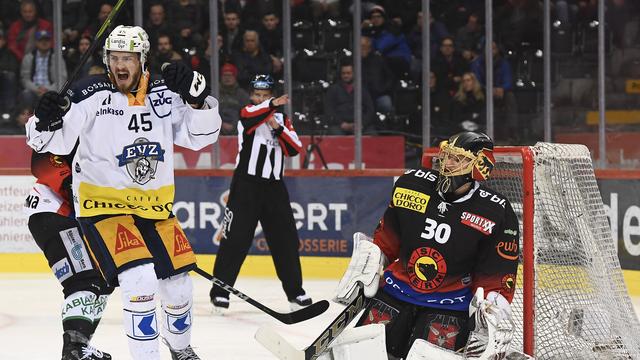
(261, 149)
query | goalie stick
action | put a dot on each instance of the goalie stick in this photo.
(283, 350)
(303, 314)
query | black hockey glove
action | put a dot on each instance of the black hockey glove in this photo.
(191, 85)
(50, 109)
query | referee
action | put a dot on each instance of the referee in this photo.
(258, 193)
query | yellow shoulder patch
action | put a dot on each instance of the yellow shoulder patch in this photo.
(410, 199)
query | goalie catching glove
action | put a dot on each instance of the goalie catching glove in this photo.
(367, 262)
(191, 85)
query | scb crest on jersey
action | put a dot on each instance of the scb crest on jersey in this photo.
(141, 159)
(426, 268)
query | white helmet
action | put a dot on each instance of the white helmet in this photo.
(128, 39)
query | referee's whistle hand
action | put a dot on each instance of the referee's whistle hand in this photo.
(282, 100)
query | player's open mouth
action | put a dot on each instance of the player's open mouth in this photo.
(123, 76)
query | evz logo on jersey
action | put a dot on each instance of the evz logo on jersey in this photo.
(141, 159)
(477, 222)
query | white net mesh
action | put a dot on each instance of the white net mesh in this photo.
(582, 309)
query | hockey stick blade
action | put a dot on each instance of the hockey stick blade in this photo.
(303, 314)
(283, 350)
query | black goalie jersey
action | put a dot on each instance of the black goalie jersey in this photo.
(440, 251)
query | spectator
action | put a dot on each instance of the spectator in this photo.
(74, 21)
(94, 26)
(504, 99)
(402, 13)
(252, 60)
(325, 8)
(468, 108)
(164, 53)
(377, 77)
(469, 36)
(338, 104)
(438, 32)
(157, 23)
(9, 68)
(232, 32)
(448, 65)
(74, 56)
(19, 119)
(37, 70)
(232, 99)
(440, 105)
(271, 39)
(21, 32)
(518, 22)
(271, 34)
(388, 41)
(186, 17)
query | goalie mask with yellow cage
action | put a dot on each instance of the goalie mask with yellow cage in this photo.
(465, 157)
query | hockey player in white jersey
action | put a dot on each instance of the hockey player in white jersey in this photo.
(123, 184)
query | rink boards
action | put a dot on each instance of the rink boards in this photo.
(327, 209)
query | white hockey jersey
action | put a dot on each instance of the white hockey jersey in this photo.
(124, 160)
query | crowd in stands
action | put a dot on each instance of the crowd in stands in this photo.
(250, 42)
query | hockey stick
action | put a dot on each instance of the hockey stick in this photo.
(283, 350)
(92, 48)
(303, 314)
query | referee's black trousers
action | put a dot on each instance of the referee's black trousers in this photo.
(252, 200)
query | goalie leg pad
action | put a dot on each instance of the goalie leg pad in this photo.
(176, 293)
(139, 286)
(365, 342)
(397, 317)
(446, 329)
(424, 350)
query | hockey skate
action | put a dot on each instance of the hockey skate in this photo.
(75, 347)
(220, 304)
(184, 354)
(300, 302)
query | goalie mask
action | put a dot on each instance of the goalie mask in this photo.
(128, 39)
(465, 157)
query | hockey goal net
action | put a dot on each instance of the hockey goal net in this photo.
(571, 301)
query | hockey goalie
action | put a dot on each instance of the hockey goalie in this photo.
(440, 271)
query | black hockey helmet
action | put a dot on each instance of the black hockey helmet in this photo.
(262, 82)
(473, 155)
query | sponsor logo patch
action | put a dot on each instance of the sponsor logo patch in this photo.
(126, 240)
(76, 250)
(426, 268)
(62, 270)
(410, 199)
(141, 298)
(511, 232)
(180, 243)
(179, 324)
(508, 249)
(509, 283)
(144, 326)
(477, 222)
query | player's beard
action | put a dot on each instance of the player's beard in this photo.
(131, 83)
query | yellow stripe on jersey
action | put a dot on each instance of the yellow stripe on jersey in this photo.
(149, 204)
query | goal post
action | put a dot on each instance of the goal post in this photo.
(571, 301)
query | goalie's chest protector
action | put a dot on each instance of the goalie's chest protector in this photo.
(124, 161)
(439, 240)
